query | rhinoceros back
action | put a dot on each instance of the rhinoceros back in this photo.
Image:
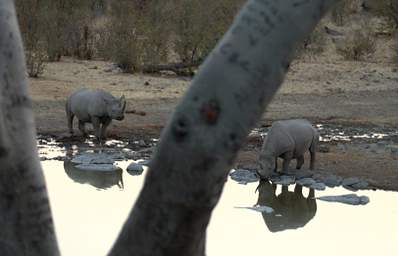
(85, 103)
(300, 132)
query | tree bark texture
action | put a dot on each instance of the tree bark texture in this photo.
(26, 226)
(200, 143)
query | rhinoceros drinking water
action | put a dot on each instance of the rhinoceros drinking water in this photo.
(288, 139)
(94, 106)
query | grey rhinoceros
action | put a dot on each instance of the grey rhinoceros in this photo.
(288, 139)
(94, 106)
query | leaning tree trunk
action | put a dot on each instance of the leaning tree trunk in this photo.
(26, 226)
(200, 143)
(197, 148)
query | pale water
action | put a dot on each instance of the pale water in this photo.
(88, 219)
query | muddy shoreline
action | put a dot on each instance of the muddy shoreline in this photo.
(366, 152)
(361, 97)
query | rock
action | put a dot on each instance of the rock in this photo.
(97, 167)
(318, 186)
(350, 188)
(259, 208)
(283, 180)
(305, 182)
(59, 158)
(354, 184)
(360, 185)
(93, 158)
(350, 181)
(43, 158)
(351, 199)
(318, 177)
(301, 174)
(244, 176)
(117, 156)
(332, 181)
(126, 150)
(144, 162)
(135, 169)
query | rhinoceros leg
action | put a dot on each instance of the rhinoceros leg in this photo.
(312, 149)
(312, 153)
(82, 128)
(105, 125)
(298, 189)
(96, 124)
(312, 163)
(287, 157)
(69, 117)
(300, 162)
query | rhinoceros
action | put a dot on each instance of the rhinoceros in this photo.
(94, 106)
(288, 139)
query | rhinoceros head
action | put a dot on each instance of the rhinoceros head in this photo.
(267, 165)
(116, 108)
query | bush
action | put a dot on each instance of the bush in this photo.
(358, 45)
(314, 44)
(35, 61)
(30, 17)
(342, 10)
(121, 41)
(199, 24)
(384, 8)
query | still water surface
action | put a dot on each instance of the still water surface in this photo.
(88, 219)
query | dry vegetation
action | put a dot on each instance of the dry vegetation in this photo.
(176, 35)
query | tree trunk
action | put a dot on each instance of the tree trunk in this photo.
(25, 220)
(200, 143)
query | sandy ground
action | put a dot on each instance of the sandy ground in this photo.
(354, 94)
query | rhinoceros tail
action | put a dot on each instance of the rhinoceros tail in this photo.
(69, 116)
(315, 141)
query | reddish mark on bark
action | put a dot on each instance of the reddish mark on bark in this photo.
(210, 111)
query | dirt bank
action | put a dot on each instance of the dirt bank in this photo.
(354, 94)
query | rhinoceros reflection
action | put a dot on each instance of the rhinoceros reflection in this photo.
(98, 179)
(291, 209)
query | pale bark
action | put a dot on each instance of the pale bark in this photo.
(26, 226)
(200, 143)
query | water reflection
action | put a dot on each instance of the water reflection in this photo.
(99, 179)
(291, 209)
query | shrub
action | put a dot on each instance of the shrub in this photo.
(358, 45)
(32, 25)
(314, 44)
(342, 10)
(384, 8)
(199, 24)
(35, 61)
